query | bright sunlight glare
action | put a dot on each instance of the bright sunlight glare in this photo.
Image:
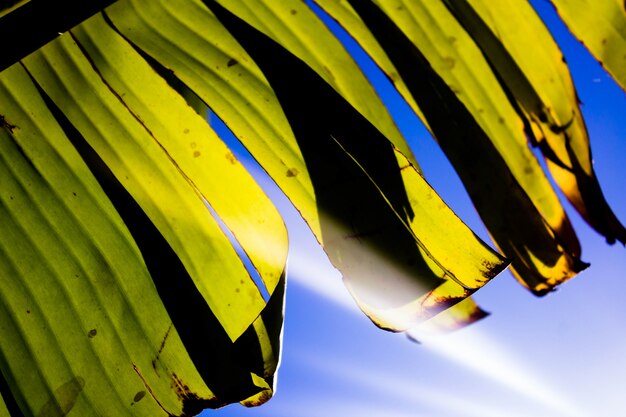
(403, 391)
(479, 352)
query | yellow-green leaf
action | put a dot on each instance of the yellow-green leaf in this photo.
(186, 364)
(153, 180)
(363, 206)
(601, 27)
(293, 25)
(186, 38)
(69, 309)
(202, 158)
(444, 47)
(531, 66)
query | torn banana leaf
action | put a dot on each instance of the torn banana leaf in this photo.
(107, 247)
(293, 25)
(601, 27)
(183, 136)
(345, 15)
(526, 219)
(531, 67)
(362, 203)
(270, 143)
(180, 164)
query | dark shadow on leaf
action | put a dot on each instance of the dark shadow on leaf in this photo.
(9, 399)
(593, 207)
(38, 22)
(514, 223)
(367, 240)
(206, 341)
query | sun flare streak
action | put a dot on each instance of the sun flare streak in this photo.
(492, 359)
(408, 395)
(483, 354)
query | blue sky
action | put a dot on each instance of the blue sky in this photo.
(560, 355)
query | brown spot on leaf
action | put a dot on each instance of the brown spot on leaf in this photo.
(185, 131)
(193, 404)
(5, 124)
(193, 145)
(231, 158)
(292, 172)
(293, 12)
(92, 333)
(139, 396)
(196, 154)
(449, 61)
(232, 62)
(492, 269)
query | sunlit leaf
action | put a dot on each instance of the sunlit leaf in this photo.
(74, 314)
(393, 277)
(190, 143)
(183, 37)
(292, 24)
(239, 85)
(532, 68)
(601, 27)
(214, 361)
(142, 268)
(511, 170)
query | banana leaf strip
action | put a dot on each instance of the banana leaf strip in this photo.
(250, 107)
(601, 27)
(183, 379)
(518, 229)
(357, 180)
(292, 24)
(530, 65)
